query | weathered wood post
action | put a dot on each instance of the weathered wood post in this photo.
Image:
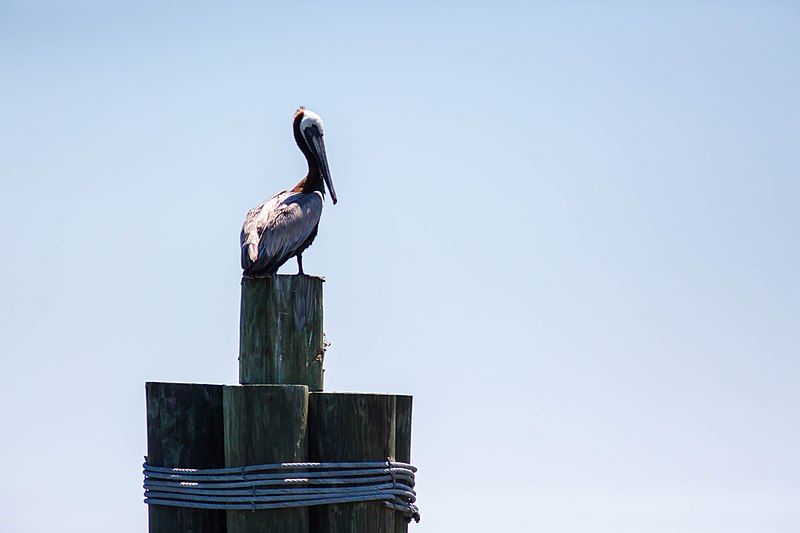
(345, 427)
(280, 331)
(273, 418)
(185, 430)
(266, 424)
(402, 444)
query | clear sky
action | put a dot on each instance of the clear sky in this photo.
(569, 229)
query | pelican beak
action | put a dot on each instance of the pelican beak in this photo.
(317, 144)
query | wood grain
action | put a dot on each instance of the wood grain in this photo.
(280, 331)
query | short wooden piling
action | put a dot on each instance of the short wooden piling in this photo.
(352, 427)
(266, 424)
(280, 331)
(402, 444)
(185, 430)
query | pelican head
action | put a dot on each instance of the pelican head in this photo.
(311, 131)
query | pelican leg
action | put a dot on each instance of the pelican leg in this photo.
(300, 264)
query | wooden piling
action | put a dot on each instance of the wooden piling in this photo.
(402, 445)
(266, 424)
(280, 331)
(273, 418)
(351, 427)
(185, 430)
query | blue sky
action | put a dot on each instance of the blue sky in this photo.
(570, 230)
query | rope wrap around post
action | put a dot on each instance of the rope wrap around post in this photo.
(283, 486)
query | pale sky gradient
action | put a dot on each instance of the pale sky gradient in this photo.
(570, 230)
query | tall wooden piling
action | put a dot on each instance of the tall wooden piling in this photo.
(185, 430)
(280, 331)
(266, 424)
(346, 427)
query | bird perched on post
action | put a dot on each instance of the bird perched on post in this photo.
(286, 224)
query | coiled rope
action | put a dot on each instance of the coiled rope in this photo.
(277, 486)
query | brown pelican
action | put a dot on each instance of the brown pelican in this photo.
(286, 224)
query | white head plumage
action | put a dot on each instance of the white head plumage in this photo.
(310, 119)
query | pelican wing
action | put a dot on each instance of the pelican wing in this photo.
(274, 230)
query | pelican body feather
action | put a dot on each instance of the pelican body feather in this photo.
(279, 229)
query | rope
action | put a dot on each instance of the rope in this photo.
(284, 485)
